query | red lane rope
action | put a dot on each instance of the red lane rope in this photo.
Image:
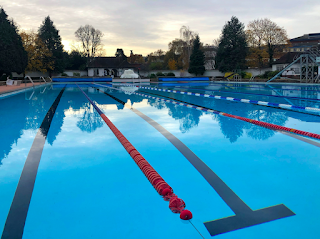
(274, 126)
(177, 205)
(256, 122)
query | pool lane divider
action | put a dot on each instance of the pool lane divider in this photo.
(229, 85)
(246, 93)
(17, 215)
(256, 122)
(244, 215)
(176, 204)
(217, 97)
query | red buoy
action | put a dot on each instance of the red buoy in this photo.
(185, 215)
(176, 204)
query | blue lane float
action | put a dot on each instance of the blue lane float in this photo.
(183, 79)
(237, 85)
(247, 93)
(256, 102)
(89, 79)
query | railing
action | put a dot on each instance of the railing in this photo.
(41, 78)
(252, 78)
(28, 77)
(287, 67)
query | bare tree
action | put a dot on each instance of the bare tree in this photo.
(188, 37)
(90, 39)
(265, 33)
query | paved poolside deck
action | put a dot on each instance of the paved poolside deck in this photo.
(10, 88)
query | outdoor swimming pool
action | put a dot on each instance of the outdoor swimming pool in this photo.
(64, 173)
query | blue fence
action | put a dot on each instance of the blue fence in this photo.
(183, 79)
(60, 79)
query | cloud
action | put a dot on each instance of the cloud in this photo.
(145, 26)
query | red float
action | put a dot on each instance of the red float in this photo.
(186, 215)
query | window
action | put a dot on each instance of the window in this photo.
(280, 68)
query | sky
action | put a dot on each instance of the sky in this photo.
(145, 26)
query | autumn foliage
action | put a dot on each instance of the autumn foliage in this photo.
(37, 52)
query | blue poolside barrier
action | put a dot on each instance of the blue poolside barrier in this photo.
(89, 79)
(183, 79)
(185, 84)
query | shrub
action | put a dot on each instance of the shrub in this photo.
(246, 75)
(272, 74)
(153, 76)
(76, 74)
(64, 74)
(171, 74)
(160, 74)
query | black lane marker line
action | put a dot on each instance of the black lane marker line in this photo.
(298, 137)
(17, 215)
(245, 216)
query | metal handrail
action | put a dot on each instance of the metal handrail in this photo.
(41, 77)
(288, 66)
(28, 77)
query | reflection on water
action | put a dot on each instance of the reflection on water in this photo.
(90, 120)
(232, 129)
(188, 118)
(19, 114)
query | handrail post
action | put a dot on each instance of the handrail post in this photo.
(30, 79)
(41, 77)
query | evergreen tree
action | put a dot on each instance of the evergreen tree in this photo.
(232, 50)
(196, 59)
(76, 60)
(13, 57)
(50, 36)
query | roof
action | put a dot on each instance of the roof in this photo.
(307, 37)
(288, 58)
(110, 62)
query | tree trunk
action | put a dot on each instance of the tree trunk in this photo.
(271, 53)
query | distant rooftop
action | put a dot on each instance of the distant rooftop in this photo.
(287, 58)
(307, 37)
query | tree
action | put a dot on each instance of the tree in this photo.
(267, 37)
(274, 37)
(232, 49)
(197, 58)
(188, 37)
(90, 39)
(13, 57)
(172, 64)
(51, 38)
(135, 58)
(37, 52)
(177, 51)
(76, 61)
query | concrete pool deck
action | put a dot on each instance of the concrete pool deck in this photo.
(11, 88)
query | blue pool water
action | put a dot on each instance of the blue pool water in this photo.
(88, 186)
